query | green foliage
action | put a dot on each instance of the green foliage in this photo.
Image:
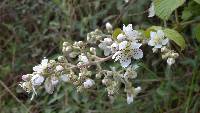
(116, 32)
(164, 8)
(198, 1)
(176, 37)
(196, 32)
(33, 29)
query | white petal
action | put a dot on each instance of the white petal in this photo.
(37, 79)
(121, 37)
(117, 55)
(54, 80)
(158, 46)
(44, 63)
(123, 45)
(137, 53)
(151, 42)
(125, 61)
(165, 41)
(152, 34)
(48, 86)
(160, 34)
(135, 45)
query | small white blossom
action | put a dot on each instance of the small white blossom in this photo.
(170, 61)
(41, 67)
(37, 80)
(54, 80)
(59, 68)
(157, 39)
(129, 98)
(151, 10)
(131, 34)
(88, 83)
(83, 58)
(109, 27)
(49, 87)
(128, 50)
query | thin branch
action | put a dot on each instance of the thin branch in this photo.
(94, 62)
(13, 95)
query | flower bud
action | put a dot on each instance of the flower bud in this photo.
(109, 27)
(61, 58)
(65, 44)
(26, 77)
(59, 68)
(88, 83)
(170, 61)
(93, 50)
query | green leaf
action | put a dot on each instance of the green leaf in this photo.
(176, 37)
(198, 1)
(164, 8)
(197, 32)
(116, 32)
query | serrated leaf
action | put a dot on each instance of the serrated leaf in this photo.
(164, 8)
(198, 1)
(176, 37)
(197, 32)
(116, 32)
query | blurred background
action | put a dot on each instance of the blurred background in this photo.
(33, 29)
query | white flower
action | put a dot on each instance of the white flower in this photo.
(152, 10)
(88, 83)
(54, 80)
(170, 61)
(129, 98)
(83, 58)
(128, 50)
(37, 79)
(49, 87)
(105, 46)
(109, 27)
(65, 78)
(131, 34)
(157, 39)
(41, 67)
(59, 68)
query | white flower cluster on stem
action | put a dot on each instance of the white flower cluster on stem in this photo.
(79, 60)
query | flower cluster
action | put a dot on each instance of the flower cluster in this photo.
(79, 59)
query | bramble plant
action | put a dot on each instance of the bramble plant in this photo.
(82, 66)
